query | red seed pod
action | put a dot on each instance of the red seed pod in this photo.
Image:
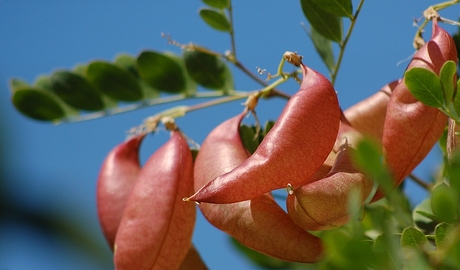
(156, 229)
(411, 128)
(259, 223)
(193, 261)
(368, 115)
(116, 179)
(301, 138)
(323, 204)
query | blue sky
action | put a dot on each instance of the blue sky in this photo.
(53, 169)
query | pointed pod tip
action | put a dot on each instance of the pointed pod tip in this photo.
(188, 199)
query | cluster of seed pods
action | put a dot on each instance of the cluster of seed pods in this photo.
(140, 209)
(309, 150)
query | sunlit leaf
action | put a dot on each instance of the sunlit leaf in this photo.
(444, 203)
(324, 48)
(327, 24)
(442, 234)
(76, 91)
(447, 75)
(413, 242)
(215, 19)
(425, 86)
(387, 249)
(220, 4)
(161, 72)
(114, 81)
(37, 104)
(342, 8)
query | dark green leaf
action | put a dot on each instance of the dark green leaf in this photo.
(114, 81)
(37, 104)
(423, 216)
(76, 91)
(43, 82)
(161, 72)
(425, 86)
(444, 203)
(327, 24)
(324, 48)
(247, 135)
(220, 4)
(207, 70)
(442, 234)
(268, 127)
(456, 39)
(342, 8)
(447, 75)
(127, 62)
(413, 242)
(215, 19)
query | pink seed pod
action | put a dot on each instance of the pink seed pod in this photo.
(412, 128)
(323, 204)
(193, 261)
(301, 138)
(116, 178)
(156, 229)
(368, 115)
(259, 223)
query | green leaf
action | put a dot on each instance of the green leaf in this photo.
(327, 24)
(161, 72)
(368, 158)
(114, 81)
(219, 4)
(247, 136)
(457, 99)
(342, 8)
(207, 70)
(76, 91)
(425, 86)
(18, 83)
(43, 82)
(347, 250)
(37, 104)
(423, 216)
(442, 234)
(444, 203)
(127, 62)
(215, 19)
(324, 48)
(447, 75)
(413, 242)
(387, 249)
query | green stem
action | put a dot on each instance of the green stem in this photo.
(344, 43)
(232, 31)
(446, 4)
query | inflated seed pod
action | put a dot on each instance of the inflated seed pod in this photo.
(116, 178)
(301, 138)
(412, 128)
(259, 223)
(156, 229)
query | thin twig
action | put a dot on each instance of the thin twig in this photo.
(420, 182)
